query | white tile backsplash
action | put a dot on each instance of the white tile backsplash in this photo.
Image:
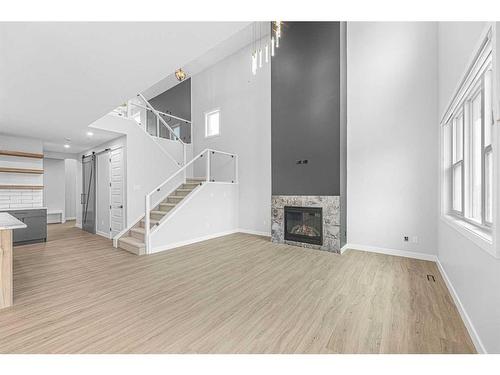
(20, 198)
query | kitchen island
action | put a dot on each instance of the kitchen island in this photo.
(7, 224)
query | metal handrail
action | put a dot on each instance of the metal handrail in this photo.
(160, 112)
(157, 114)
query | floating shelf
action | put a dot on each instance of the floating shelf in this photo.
(21, 170)
(22, 187)
(21, 154)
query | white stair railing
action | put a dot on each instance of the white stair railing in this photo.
(138, 109)
(220, 167)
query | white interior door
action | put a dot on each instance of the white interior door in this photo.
(117, 183)
(102, 195)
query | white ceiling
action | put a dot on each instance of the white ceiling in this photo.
(57, 78)
(237, 41)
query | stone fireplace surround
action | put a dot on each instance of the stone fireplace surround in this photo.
(331, 219)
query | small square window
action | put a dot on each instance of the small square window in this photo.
(212, 123)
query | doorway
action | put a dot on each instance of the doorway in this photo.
(110, 193)
(87, 197)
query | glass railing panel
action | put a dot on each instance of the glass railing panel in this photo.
(222, 167)
(139, 110)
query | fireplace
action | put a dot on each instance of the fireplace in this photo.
(304, 224)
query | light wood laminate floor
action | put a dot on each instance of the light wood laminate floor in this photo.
(234, 294)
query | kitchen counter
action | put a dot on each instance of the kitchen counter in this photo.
(8, 221)
(7, 224)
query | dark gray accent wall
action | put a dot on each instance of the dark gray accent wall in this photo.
(175, 101)
(306, 115)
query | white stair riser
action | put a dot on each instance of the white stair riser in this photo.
(130, 248)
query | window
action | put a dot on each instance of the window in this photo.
(212, 123)
(176, 132)
(471, 157)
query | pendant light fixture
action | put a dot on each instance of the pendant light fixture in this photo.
(180, 75)
(260, 54)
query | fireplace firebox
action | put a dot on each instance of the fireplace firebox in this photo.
(304, 224)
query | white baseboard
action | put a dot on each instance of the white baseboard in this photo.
(103, 234)
(344, 248)
(192, 241)
(463, 313)
(70, 218)
(255, 232)
(78, 225)
(395, 252)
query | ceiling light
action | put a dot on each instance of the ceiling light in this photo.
(90, 134)
(180, 74)
(67, 146)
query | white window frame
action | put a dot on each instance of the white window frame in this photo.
(483, 233)
(208, 113)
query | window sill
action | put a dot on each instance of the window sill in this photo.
(482, 238)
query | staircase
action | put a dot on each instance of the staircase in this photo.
(197, 178)
(133, 241)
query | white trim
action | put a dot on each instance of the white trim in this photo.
(485, 38)
(254, 232)
(482, 240)
(395, 252)
(207, 113)
(103, 234)
(194, 240)
(125, 230)
(79, 225)
(344, 248)
(70, 218)
(463, 313)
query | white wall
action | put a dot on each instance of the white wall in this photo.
(54, 190)
(70, 188)
(146, 163)
(392, 138)
(210, 212)
(245, 104)
(15, 198)
(474, 274)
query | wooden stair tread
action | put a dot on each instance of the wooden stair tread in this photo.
(158, 212)
(151, 221)
(196, 179)
(132, 241)
(140, 230)
(21, 170)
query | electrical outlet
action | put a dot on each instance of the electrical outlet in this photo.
(406, 238)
